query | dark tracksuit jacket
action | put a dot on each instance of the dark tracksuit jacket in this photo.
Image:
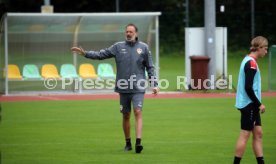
(132, 59)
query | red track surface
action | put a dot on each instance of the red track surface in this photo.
(116, 96)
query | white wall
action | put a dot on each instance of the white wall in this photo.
(194, 45)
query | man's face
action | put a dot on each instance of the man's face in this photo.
(130, 33)
(263, 51)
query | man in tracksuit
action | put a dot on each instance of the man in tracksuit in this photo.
(248, 100)
(132, 59)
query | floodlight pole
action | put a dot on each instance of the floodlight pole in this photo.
(186, 6)
(47, 2)
(117, 6)
(252, 18)
(222, 9)
(210, 36)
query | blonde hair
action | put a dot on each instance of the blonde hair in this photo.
(258, 42)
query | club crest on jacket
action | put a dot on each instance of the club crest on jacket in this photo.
(139, 51)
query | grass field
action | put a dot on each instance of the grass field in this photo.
(191, 131)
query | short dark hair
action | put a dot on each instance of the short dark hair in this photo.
(133, 25)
